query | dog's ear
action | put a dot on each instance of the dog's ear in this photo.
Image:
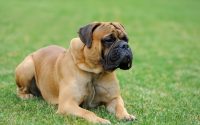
(86, 32)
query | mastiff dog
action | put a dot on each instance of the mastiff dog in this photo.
(82, 76)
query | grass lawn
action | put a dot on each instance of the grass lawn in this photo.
(163, 87)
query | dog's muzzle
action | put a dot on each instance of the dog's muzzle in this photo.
(119, 56)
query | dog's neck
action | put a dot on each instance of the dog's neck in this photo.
(84, 61)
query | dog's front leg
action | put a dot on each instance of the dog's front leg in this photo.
(69, 105)
(116, 106)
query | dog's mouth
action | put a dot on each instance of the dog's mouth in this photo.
(119, 56)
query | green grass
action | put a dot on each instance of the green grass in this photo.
(162, 88)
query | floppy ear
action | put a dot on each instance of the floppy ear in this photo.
(85, 33)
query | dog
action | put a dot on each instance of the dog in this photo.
(82, 76)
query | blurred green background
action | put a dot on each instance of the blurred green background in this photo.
(163, 87)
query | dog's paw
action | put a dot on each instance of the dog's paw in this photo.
(25, 96)
(127, 117)
(103, 121)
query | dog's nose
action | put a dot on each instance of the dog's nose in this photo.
(124, 45)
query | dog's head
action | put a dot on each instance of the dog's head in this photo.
(108, 42)
(101, 47)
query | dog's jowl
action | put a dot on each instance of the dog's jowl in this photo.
(82, 76)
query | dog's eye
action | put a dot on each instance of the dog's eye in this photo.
(108, 41)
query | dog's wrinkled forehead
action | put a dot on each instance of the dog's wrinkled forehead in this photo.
(108, 28)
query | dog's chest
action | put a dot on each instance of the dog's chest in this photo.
(90, 95)
(96, 95)
(97, 92)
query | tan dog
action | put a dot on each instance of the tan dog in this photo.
(82, 76)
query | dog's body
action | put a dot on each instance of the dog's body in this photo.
(76, 77)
